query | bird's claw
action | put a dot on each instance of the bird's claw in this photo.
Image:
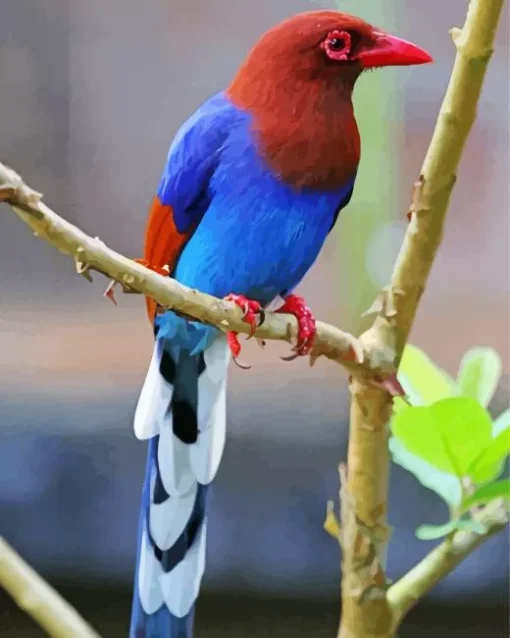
(253, 314)
(235, 349)
(307, 329)
(291, 357)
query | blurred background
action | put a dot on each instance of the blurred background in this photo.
(92, 93)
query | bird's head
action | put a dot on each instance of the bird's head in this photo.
(323, 45)
(297, 83)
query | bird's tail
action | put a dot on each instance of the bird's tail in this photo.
(181, 411)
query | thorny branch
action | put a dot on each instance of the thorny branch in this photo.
(369, 608)
(91, 254)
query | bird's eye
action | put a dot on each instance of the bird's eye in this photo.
(337, 45)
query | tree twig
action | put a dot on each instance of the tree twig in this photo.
(38, 599)
(406, 592)
(92, 254)
(366, 611)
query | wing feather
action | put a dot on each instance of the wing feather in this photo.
(183, 194)
(163, 242)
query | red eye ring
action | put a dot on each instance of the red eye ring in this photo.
(337, 45)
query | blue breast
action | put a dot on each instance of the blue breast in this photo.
(258, 236)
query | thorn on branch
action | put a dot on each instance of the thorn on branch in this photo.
(83, 269)
(456, 33)
(126, 282)
(314, 355)
(383, 304)
(375, 308)
(415, 196)
(15, 192)
(109, 293)
(7, 193)
(392, 385)
(331, 524)
(161, 270)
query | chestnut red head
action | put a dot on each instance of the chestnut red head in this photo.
(327, 44)
(297, 83)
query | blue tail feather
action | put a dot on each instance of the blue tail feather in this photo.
(162, 623)
(182, 412)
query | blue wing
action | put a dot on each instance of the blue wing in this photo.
(192, 159)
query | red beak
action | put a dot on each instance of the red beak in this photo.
(391, 51)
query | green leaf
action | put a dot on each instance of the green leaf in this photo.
(416, 430)
(400, 404)
(445, 485)
(423, 381)
(432, 532)
(479, 374)
(501, 423)
(490, 461)
(448, 434)
(487, 493)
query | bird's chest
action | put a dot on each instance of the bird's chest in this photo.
(259, 236)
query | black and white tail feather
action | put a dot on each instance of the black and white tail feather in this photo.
(182, 413)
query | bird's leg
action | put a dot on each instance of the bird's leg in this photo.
(295, 305)
(253, 315)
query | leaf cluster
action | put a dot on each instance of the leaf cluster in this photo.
(446, 437)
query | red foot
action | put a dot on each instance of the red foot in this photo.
(233, 344)
(253, 314)
(295, 305)
(161, 270)
(252, 310)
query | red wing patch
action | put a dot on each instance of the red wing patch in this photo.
(163, 242)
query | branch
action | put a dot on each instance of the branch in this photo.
(443, 559)
(427, 214)
(92, 254)
(38, 599)
(366, 609)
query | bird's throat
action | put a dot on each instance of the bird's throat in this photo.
(307, 134)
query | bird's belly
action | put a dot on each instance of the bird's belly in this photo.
(262, 255)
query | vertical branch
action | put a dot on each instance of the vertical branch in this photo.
(474, 45)
(366, 612)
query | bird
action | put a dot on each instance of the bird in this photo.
(253, 184)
